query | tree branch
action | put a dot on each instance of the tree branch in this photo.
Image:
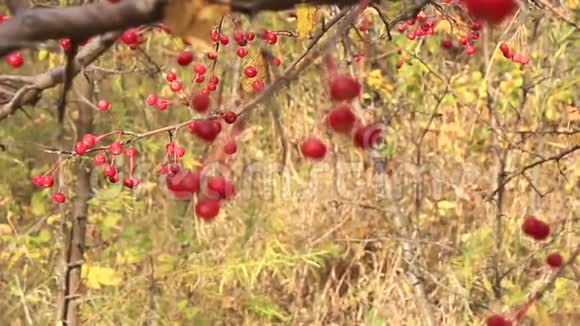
(77, 23)
(29, 94)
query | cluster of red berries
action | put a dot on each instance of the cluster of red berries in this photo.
(515, 57)
(342, 120)
(210, 190)
(421, 26)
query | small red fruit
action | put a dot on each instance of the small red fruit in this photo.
(230, 117)
(37, 180)
(116, 148)
(230, 147)
(447, 43)
(341, 119)
(250, 36)
(199, 69)
(151, 99)
(58, 197)
(554, 260)
(171, 76)
(99, 159)
(271, 38)
(368, 136)
(535, 228)
(47, 181)
(130, 182)
(113, 178)
(130, 36)
(491, 11)
(277, 61)
(250, 72)
(104, 105)
(175, 86)
(258, 84)
(313, 148)
(242, 52)
(214, 79)
(220, 188)
(65, 44)
(179, 151)
(14, 59)
(344, 88)
(80, 148)
(131, 152)
(206, 130)
(207, 209)
(497, 320)
(200, 102)
(470, 50)
(504, 47)
(109, 171)
(184, 58)
(89, 140)
(184, 183)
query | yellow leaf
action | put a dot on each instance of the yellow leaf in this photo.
(42, 54)
(306, 19)
(194, 19)
(446, 204)
(97, 276)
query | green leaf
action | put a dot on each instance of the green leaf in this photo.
(38, 202)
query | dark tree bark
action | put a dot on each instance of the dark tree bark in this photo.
(68, 303)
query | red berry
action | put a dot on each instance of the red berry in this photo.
(368, 136)
(104, 105)
(80, 148)
(199, 69)
(151, 99)
(497, 320)
(130, 36)
(474, 35)
(214, 36)
(212, 56)
(113, 178)
(344, 88)
(400, 63)
(504, 47)
(250, 72)
(109, 171)
(37, 180)
(508, 54)
(476, 26)
(214, 80)
(276, 61)
(220, 188)
(206, 130)
(170, 148)
(447, 43)
(99, 159)
(210, 87)
(341, 119)
(184, 58)
(116, 148)
(238, 36)
(14, 59)
(401, 27)
(230, 117)
(242, 52)
(463, 40)
(171, 76)
(47, 181)
(535, 228)
(470, 50)
(410, 22)
(130, 182)
(258, 84)
(313, 148)
(58, 197)
(250, 36)
(180, 151)
(89, 140)
(207, 209)
(131, 152)
(224, 40)
(161, 104)
(230, 147)
(554, 260)
(65, 44)
(271, 38)
(175, 86)
(491, 11)
(411, 35)
(524, 60)
(200, 102)
(184, 183)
